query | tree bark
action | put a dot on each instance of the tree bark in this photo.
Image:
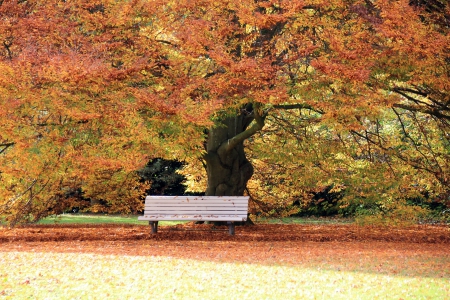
(227, 167)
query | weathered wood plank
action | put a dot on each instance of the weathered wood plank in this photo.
(192, 218)
(233, 206)
(218, 201)
(194, 212)
(226, 198)
(196, 201)
(195, 208)
(188, 207)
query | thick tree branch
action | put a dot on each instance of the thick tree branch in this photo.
(6, 146)
(7, 45)
(410, 90)
(439, 109)
(297, 106)
(166, 42)
(405, 95)
(241, 137)
(434, 112)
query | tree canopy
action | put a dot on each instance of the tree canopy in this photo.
(350, 94)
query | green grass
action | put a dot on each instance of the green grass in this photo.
(80, 218)
(98, 219)
(304, 220)
(32, 275)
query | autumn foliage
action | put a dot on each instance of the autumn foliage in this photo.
(352, 94)
(68, 117)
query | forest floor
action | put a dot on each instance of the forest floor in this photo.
(410, 252)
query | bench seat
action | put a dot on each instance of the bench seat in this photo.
(195, 208)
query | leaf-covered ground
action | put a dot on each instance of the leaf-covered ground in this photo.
(305, 261)
(264, 243)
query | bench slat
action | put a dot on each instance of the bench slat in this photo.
(196, 201)
(189, 207)
(195, 208)
(191, 212)
(192, 218)
(222, 201)
(195, 204)
(226, 198)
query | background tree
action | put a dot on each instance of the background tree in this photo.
(68, 118)
(164, 177)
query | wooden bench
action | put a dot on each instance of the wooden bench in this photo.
(195, 208)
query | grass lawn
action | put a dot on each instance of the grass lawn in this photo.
(79, 218)
(31, 275)
(267, 261)
(304, 220)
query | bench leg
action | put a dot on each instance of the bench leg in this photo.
(231, 227)
(153, 226)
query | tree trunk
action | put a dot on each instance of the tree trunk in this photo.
(228, 171)
(227, 167)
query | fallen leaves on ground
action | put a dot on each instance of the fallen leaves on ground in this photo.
(294, 261)
(262, 243)
(206, 232)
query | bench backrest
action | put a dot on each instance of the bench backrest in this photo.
(207, 208)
